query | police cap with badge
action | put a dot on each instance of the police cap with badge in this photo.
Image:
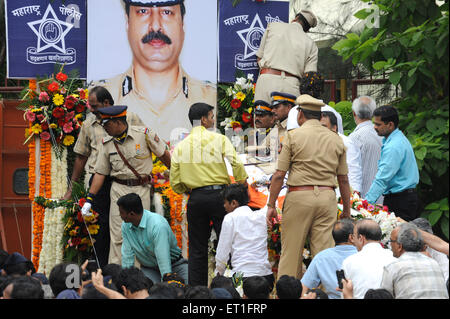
(279, 97)
(307, 102)
(262, 108)
(112, 112)
(308, 18)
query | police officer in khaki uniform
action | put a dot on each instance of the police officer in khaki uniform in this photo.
(125, 155)
(285, 53)
(314, 156)
(282, 103)
(86, 148)
(155, 86)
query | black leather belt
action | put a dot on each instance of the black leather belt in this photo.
(406, 191)
(209, 188)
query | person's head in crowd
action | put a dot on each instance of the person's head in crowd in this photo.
(329, 120)
(309, 108)
(201, 114)
(281, 104)
(23, 287)
(385, 120)
(307, 19)
(199, 292)
(312, 83)
(343, 231)
(366, 231)
(362, 109)
(234, 196)
(65, 276)
(162, 290)
(90, 292)
(225, 282)
(423, 224)
(406, 238)
(256, 287)
(288, 287)
(48, 294)
(130, 208)
(3, 256)
(4, 281)
(112, 270)
(320, 294)
(155, 33)
(99, 97)
(378, 294)
(133, 283)
(17, 265)
(221, 293)
(177, 282)
(264, 117)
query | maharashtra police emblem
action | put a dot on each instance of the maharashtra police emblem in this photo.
(51, 34)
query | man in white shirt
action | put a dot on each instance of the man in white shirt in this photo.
(329, 119)
(367, 140)
(244, 236)
(365, 268)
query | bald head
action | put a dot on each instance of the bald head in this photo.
(369, 229)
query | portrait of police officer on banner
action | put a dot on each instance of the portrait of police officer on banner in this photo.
(156, 86)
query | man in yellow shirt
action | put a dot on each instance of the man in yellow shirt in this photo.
(198, 166)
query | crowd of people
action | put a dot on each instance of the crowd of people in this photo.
(138, 256)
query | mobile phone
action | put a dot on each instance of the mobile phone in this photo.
(340, 275)
(92, 266)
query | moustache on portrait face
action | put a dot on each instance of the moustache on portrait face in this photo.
(152, 35)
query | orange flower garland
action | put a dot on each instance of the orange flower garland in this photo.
(32, 169)
(45, 190)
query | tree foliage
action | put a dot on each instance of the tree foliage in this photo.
(410, 45)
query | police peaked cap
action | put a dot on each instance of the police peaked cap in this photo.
(307, 102)
(262, 107)
(112, 112)
(278, 97)
(155, 3)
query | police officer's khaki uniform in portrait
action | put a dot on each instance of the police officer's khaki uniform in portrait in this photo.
(164, 118)
(137, 148)
(314, 156)
(285, 53)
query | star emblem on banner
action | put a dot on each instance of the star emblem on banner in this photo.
(252, 37)
(50, 31)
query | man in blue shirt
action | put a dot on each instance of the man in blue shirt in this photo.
(322, 269)
(397, 174)
(148, 237)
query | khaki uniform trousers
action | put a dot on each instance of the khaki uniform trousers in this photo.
(268, 83)
(305, 213)
(115, 221)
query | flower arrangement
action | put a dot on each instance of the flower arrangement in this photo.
(55, 109)
(274, 241)
(174, 204)
(361, 209)
(76, 239)
(236, 101)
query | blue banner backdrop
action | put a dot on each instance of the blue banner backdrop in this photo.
(41, 33)
(241, 29)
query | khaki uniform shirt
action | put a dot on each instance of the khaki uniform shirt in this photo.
(90, 138)
(198, 161)
(313, 155)
(280, 38)
(174, 114)
(137, 149)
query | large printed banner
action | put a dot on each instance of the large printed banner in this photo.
(241, 29)
(155, 60)
(41, 33)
